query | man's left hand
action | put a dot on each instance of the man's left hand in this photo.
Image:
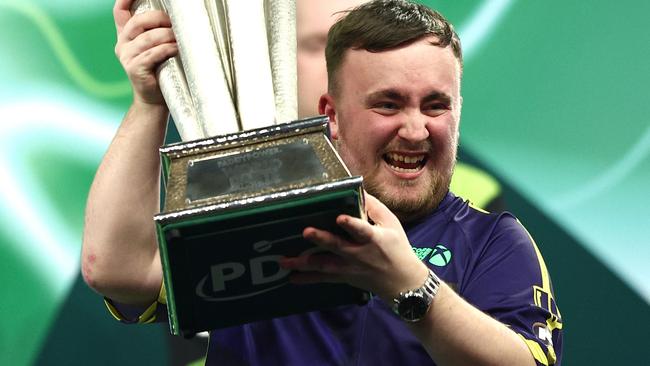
(377, 258)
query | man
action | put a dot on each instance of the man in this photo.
(314, 18)
(394, 105)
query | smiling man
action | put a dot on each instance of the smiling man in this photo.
(394, 104)
(395, 118)
(454, 285)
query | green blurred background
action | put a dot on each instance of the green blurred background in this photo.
(556, 106)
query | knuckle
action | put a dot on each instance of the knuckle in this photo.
(169, 35)
(318, 262)
(339, 243)
(146, 54)
(146, 38)
(370, 236)
(137, 18)
(128, 28)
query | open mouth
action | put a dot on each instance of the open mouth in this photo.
(411, 163)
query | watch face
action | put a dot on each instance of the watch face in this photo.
(412, 308)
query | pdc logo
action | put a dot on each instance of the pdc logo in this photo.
(238, 280)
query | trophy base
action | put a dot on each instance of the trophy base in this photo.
(235, 205)
(222, 270)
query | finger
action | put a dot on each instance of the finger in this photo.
(308, 278)
(146, 41)
(330, 242)
(361, 231)
(141, 23)
(315, 268)
(378, 212)
(121, 14)
(152, 57)
(146, 62)
(325, 263)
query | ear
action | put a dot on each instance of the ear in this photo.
(327, 107)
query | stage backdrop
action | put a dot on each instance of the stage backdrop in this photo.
(556, 106)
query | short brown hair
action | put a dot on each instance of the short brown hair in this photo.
(382, 25)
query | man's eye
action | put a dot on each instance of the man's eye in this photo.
(436, 108)
(386, 105)
(386, 108)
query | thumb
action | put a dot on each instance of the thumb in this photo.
(378, 212)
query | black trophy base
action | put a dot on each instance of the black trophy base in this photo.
(222, 270)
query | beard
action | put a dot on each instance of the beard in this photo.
(410, 208)
(413, 208)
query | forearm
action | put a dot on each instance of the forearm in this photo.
(456, 333)
(120, 255)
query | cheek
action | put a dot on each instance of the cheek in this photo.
(353, 149)
(444, 140)
(363, 150)
(371, 136)
(443, 134)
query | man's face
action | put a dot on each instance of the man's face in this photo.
(313, 20)
(395, 120)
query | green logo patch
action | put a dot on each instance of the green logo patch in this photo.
(441, 256)
(422, 253)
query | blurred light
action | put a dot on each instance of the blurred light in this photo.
(52, 34)
(55, 125)
(608, 179)
(481, 24)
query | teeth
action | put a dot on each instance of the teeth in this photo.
(402, 170)
(406, 159)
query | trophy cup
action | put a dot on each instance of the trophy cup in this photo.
(240, 188)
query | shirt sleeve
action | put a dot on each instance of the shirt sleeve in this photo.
(132, 314)
(510, 281)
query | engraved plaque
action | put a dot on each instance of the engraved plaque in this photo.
(255, 170)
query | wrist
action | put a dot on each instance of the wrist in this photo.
(149, 114)
(413, 278)
(141, 105)
(149, 121)
(412, 305)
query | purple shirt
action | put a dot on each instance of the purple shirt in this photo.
(489, 259)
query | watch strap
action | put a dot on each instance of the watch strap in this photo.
(426, 293)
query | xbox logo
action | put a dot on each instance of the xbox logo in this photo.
(441, 256)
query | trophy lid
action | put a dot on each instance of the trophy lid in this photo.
(252, 167)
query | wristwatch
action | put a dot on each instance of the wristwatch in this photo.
(412, 305)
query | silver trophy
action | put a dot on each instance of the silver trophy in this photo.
(236, 68)
(248, 177)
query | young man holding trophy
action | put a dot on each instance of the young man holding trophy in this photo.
(452, 284)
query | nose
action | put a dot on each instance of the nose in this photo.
(414, 127)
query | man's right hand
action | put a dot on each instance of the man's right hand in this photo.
(144, 41)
